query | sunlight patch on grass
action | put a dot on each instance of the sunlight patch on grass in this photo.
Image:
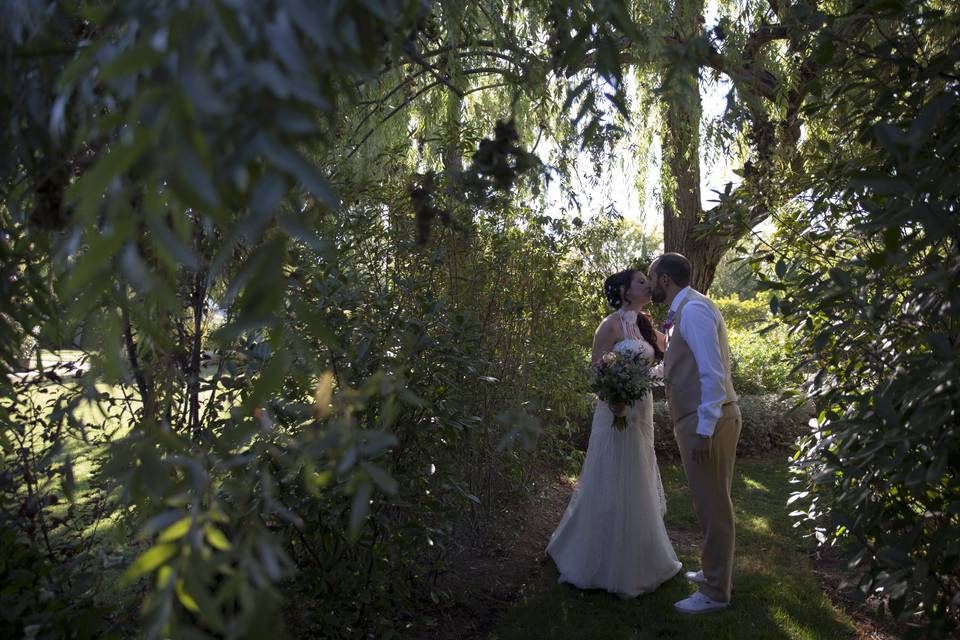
(757, 524)
(753, 484)
(790, 626)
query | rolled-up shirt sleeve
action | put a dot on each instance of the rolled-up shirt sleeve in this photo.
(698, 326)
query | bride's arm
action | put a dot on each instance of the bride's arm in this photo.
(661, 340)
(607, 335)
(603, 340)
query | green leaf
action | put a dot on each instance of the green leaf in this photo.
(928, 119)
(373, 442)
(150, 560)
(89, 189)
(942, 346)
(99, 252)
(781, 268)
(131, 60)
(196, 185)
(893, 556)
(886, 410)
(891, 137)
(840, 276)
(185, 598)
(572, 95)
(359, 509)
(291, 162)
(317, 480)
(264, 204)
(176, 531)
(381, 478)
(216, 538)
(170, 245)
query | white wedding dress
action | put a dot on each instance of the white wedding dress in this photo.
(612, 534)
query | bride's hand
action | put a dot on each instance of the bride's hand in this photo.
(618, 409)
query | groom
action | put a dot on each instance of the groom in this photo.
(703, 404)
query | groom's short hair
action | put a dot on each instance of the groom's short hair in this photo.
(676, 266)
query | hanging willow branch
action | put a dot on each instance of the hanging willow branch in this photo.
(442, 78)
(411, 99)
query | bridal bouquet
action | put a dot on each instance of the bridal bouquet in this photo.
(621, 378)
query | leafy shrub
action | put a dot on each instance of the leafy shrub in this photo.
(867, 273)
(39, 601)
(386, 342)
(760, 362)
(770, 423)
(743, 315)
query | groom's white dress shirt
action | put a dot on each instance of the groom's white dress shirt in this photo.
(698, 327)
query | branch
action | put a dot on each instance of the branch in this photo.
(408, 101)
(760, 81)
(392, 113)
(766, 34)
(495, 85)
(626, 57)
(776, 8)
(132, 347)
(413, 54)
(463, 45)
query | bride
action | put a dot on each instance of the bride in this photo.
(612, 534)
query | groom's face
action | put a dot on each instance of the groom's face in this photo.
(657, 292)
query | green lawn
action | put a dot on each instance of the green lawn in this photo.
(775, 593)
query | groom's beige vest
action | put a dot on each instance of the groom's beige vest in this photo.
(680, 374)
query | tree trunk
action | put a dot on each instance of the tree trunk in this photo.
(682, 209)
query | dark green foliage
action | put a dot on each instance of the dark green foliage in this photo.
(866, 277)
(295, 381)
(37, 602)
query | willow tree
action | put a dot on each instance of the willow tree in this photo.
(758, 49)
(536, 76)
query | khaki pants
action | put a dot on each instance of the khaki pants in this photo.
(710, 483)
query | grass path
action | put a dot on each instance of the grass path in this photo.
(776, 594)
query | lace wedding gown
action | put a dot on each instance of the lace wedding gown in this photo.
(612, 534)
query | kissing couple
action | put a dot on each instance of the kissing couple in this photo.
(612, 534)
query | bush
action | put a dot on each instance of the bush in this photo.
(769, 423)
(743, 314)
(760, 363)
(868, 272)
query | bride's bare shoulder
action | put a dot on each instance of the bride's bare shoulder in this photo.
(610, 324)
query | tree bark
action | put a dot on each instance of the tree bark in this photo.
(682, 209)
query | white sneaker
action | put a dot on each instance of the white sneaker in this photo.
(695, 576)
(699, 603)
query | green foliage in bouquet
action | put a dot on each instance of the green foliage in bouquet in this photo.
(621, 378)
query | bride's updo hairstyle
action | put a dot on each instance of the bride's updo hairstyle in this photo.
(614, 290)
(615, 286)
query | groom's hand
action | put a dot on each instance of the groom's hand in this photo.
(701, 452)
